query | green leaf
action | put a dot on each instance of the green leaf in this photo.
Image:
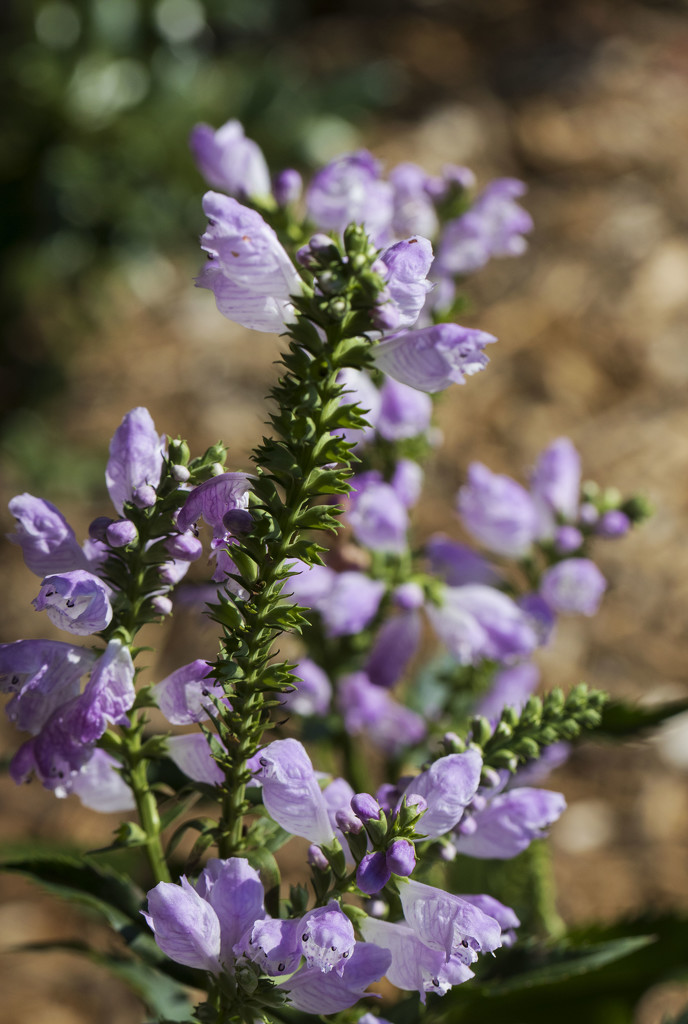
(621, 718)
(162, 996)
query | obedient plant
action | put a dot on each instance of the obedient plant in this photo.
(341, 746)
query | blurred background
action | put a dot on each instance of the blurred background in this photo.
(587, 101)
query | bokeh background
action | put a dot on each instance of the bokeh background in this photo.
(587, 101)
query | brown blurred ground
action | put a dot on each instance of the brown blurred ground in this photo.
(592, 344)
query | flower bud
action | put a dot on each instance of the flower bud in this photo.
(180, 473)
(144, 496)
(316, 858)
(613, 523)
(366, 807)
(348, 822)
(373, 873)
(567, 539)
(161, 605)
(238, 521)
(184, 546)
(121, 533)
(287, 186)
(97, 529)
(401, 857)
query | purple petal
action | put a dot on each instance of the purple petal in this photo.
(408, 264)
(445, 922)
(43, 675)
(351, 603)
(457, 564)
(373, 873)
(432, 358)
(183, 697)
(327, 938)
(185, 926)
(100, 787)
(192, 755)
(404, 411)
(273, 944)
(212, 499)
(235, 892)
(556, 478)
(47, 540)
(313, 691)
(229, 161)
(498, 512)
(448, 786)
(349, 190)
(291, 793)
(135, 463)
(510, 822)
(314, 992)
(75, 601)
(575, 585)
(370, 709)
(395, 645)
(414, 966)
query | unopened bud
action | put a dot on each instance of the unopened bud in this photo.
(121, 533)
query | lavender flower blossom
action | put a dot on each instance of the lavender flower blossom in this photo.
(47, 540)
(184, 696)
(351, 603)
(555, 480)
(511, 687)
(135, 463)
(395, 645)
(235, 892)
(414, 966)
(401, 857)
(575, 585)
(477, 622)
(43, 675)
(457, 564)
(448, 786)
(313, 691)
(212, 499)
(328, 938)
(414, 211)
(404, 411)
(291, 794)
(407, 481)
(377, 515)
(120, 533)
(185, 926)
(434, 357)
(312, 991)
(406, 283)
(612, 524)
(358, 389)
(274, 944)
(287, 187)
(503, 915)
(76, 601)
(494, 226)
(229, 161)
(350, 189)
(509, 823)
(370, 709)
(373, 873)
(193, 756)
(447, 923)
(249, 271)
(497, 512)
(100, 787)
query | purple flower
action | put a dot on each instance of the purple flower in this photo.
(498, 512)
(249, 271)
(406, 283)
(539, 615)
(185, 926)
(567, 539)
(477, 622)
(47, 540)
(494, 226)
(76, 601)
(404, 411)
(395, 645)
(274, 944)
(377, 515)
(120, 533)
(373, 873)
(184, 547)
(434, 357)
(401, 857)
(511, 687)
(312, 991)
(229, 161)
(370, 709)
(509, 823)
(457, 564)
(556, 478)
(350, 190)
(100, 786)
(43, 675)
(407, 481)
(193, 756)
(575, 585)
(448, 786)
(365, 807)
(613, 523)
(310, 584)
(414, 211)
(291, 794)
(313, 691)
(358, 389)
(327, 939)
(447, 923)
(287, 187)
(504, 916)
(351, 603)
(414, 966)
(110, 691)
(234, 890)
(184, 696)
(212, 499)
(135, 463)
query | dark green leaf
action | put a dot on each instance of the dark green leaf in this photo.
(621, 718)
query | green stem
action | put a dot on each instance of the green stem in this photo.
(146, 803)
(547, 921)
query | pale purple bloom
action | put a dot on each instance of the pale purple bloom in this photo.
(575, 585)
(503, 915)
(274, 944)
(110, 691)
(358, 389)
(540, 616)
(494, 226)
(43, 675)
(613, 523)
(414, 211)
(350, 190)
(287, 186)
(313, 691)
(401, 857)
(351, 603)
(100, 786)
(327, 939)
(448, 786)
(556, 478)
(310, 584)
(291, 794)
(409, 596)
(212, 499)
(184, 696)
(373, 873)
(370, 709)
(407, 481)
(396, 643)
(229, 161)
(234, 890)
(377, 515)
(185, 926)
(477, 622)
(121, 533)
(406, 280)
(588, 514)
(567, 539)
(509, 823)
(338, 795)
(347, 822)
(432, 358)
(47, 540)
(314, 992)
(457, 564)
(447, 923)
(185, 547)
(498, 512)
(135, 463)
(192, 755)
(511, 687)
(534, 772)
(249, 271)
(370, 1018)
(75, 601)
(414, 966)
(404, 411)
